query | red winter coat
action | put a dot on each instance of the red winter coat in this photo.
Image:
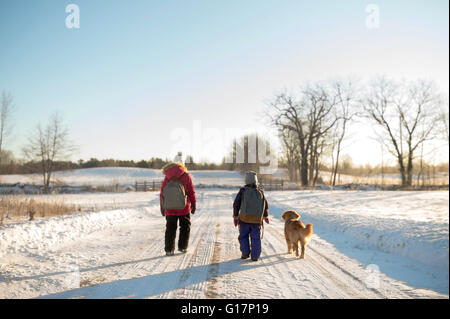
(175, 172)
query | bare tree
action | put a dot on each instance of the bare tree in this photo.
(291, 153)
(444, 120)
(346, 111)
(6, 109)
(47, 145)
(406, 118)
(309, 118)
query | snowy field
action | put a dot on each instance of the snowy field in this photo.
(366, 245)
(124, 176)
(128, 176)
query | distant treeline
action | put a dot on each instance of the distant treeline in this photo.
(347, 167)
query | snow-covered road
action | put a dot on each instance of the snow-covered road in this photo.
(126, 260)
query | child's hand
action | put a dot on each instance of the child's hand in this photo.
(266, 220)
(235, 221)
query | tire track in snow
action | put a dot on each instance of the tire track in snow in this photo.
(134, 265)
(190, 279)
(322, 275)
(308, 281)
(154, 242)
(280, 275)
(213, 269)
(331, 268)
(348, 273)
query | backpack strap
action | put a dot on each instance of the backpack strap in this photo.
(176, 179)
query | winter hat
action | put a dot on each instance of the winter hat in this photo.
(251, 178)
(172, 164)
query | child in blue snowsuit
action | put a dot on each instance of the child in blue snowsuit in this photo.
(250, 230)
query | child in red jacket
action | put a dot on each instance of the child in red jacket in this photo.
(173, 171)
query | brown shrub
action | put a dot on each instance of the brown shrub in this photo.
(17, 208)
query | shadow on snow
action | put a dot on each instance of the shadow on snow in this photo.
(148, 286)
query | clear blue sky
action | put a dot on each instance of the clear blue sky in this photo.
(136, 70)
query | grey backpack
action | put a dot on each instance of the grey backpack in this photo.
(252, 206)
(174, 195)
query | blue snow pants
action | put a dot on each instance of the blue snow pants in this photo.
(252, 232)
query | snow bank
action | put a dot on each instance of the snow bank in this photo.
(40, 234)
(408, 224)
(427, 243)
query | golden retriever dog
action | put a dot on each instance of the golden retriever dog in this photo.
(295, 231)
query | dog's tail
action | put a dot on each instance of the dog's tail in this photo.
(309, 230)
